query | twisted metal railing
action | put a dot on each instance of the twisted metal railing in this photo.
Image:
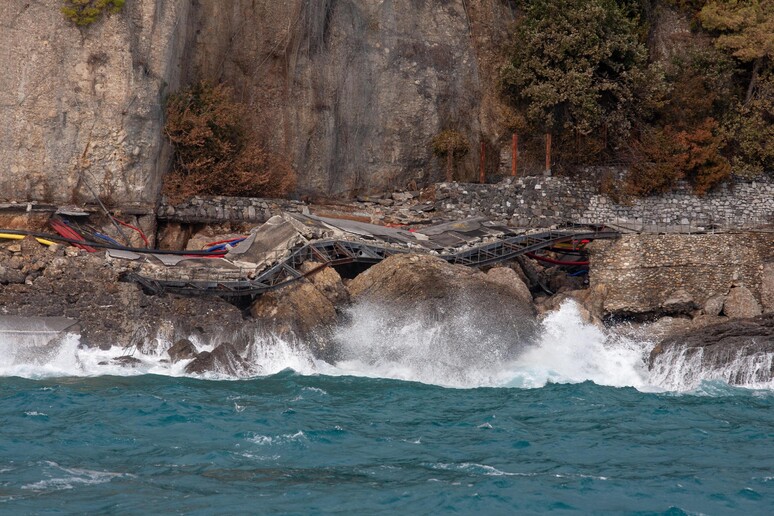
(332, 253)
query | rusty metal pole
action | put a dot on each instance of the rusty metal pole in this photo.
(482, 173)
(548, 154)
(515, 155)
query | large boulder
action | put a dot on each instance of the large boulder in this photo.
(741, 303)
(679, 302)
(327, 281)
(510, 279)
(446, 323)
(298, 311)
(426, 286)
(737, 351)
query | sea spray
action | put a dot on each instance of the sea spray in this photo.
(376, 344)
(570, 350)
(685, 369)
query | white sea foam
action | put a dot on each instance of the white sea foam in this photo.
(457, 354)
(69, 478)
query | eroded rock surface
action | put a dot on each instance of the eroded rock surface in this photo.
(100, 121)
(741, 303)
(736, 351)
(651, 275)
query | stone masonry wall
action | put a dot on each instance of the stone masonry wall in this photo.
(543, 201)
(527, 202)
(206, 210)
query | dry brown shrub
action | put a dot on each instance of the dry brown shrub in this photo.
(666, 156)
(215, 153)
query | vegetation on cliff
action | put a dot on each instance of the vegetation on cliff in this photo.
(86, 12)
(216, 151)
(585, 72)
(450, 145)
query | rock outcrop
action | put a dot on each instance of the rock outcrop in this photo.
(738, 351)
(183, 349)
(350, 92)
(224, 359)
(88, 288)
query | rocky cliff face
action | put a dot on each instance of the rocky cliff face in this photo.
(81, 108)
(350, 92)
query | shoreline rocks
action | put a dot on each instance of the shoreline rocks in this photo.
(737, 351)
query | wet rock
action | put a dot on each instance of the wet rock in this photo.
(327, 281)
(741, 303)
(298, 311)
(224, 359)
(183, 349)
(737, 351)
(590, 303)
(126, 361)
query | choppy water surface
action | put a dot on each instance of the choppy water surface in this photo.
(364, 437)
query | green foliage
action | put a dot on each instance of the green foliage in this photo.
(744, 27)
(86, 12)
(215, 154)
(577, 65)
(450, 142)
(700, 84)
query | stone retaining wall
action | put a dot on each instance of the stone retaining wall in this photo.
(543, 201)
(527, 202)
(209, 210)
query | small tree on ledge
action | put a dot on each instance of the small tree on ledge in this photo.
(451, 145)
(86, 12)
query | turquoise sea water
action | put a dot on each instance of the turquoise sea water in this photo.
(295, 444)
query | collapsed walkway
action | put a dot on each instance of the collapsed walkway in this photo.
(275, 253)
